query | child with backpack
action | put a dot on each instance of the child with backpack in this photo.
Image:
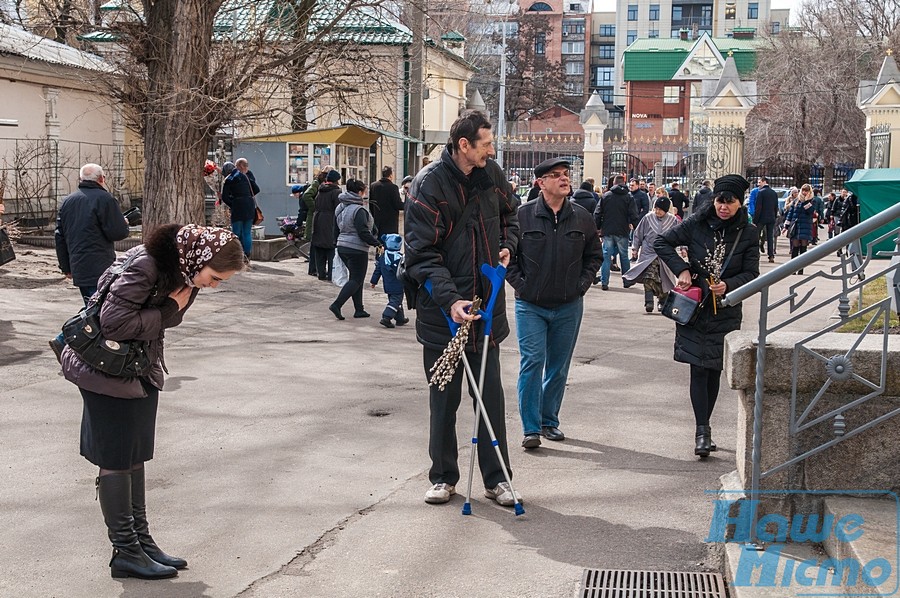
(386, 269)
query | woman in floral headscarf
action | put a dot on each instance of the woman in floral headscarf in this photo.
(119, 417)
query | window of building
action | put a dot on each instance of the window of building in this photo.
(676, 14)
(603, 76)
(575, 7)
(540, 7)
(730, 10)
(705, 16)
(670, 126)
(653, 33)
(776, 27)
(671, 94)
(540, 43)
(573, 27)
(607, 51)
(632, 35)
(574, 88)
(616, 120)
(753, 10)
(608, 30)
(574, 68)
(675, 34)
(654, 12)
(606, 94)
(573, 48)
(632, 12)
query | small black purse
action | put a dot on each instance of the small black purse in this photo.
(122, 359)
(683, 306)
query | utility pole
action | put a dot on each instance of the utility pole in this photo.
(416, 81)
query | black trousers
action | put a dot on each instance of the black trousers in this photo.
(767, 233)
(357, 263)
(442, 447)
(323, 262)
(704, 392)
(312, 260)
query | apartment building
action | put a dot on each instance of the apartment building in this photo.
(602, 75)
(667, 19)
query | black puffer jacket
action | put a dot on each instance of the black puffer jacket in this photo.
(703, 342)
(137, 307)
(558, 257)
(323, 219)
(434, 205)
(616, 212)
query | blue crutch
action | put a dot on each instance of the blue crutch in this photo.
(497, 277)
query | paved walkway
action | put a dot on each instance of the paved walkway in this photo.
(292, 458)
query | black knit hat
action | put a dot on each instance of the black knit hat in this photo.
(732, 183)
(333, 176)
(663, 204)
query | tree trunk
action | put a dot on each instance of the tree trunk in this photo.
(176, 132)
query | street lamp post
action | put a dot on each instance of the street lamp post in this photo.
(501, 109)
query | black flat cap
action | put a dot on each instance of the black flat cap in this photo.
(548, 165)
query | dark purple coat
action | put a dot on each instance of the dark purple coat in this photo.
(133, 310)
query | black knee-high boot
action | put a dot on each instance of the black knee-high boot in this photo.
(128, 558)
(142, 527)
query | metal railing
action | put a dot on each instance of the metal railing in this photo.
(854, 273)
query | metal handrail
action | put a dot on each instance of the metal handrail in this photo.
(763, 284)
(829, 247)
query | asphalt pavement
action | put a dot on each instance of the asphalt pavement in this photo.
(291, 456)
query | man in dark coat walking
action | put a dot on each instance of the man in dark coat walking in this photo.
(766, 213)
(615, 217)
(385, 203)
(438, 198)
(88, 223)
(641, 200)
(239, 193)
(703, 196)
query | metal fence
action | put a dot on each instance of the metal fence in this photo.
(37, 173)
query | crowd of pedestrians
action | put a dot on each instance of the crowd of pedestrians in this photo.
(461, 214)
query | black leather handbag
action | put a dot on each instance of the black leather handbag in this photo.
(122, 359)
(683, 306)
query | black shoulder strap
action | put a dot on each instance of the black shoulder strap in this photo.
(461, 225)
(116, 271)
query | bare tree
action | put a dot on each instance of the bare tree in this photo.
(182, 79)
(533, 82)
(808, 78)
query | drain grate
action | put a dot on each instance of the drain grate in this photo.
(624, 583)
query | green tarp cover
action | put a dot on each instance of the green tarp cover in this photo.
(877, 190)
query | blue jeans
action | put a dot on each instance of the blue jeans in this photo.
(613, 244)
(546, 343)
(86, 293)
(243, 230)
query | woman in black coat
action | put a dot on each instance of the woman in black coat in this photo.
(723, 254)
(323, 223)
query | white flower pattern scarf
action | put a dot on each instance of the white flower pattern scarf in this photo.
(196, 247)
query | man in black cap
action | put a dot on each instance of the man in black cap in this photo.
(554, 234)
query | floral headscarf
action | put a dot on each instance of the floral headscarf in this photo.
(196, 247)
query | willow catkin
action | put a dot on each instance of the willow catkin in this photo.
(444, 368)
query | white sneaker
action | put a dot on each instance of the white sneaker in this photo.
(503, 494)
(439, 493)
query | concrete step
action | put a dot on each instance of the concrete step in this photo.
(876, 522)
(859, 560)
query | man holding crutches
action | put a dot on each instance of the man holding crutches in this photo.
(461, 213)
